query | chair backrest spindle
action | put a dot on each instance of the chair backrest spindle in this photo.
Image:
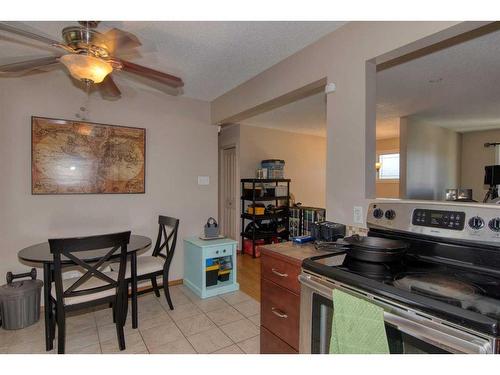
(167, 237)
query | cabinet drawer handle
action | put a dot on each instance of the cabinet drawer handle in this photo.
(278, 313)
(279, 273)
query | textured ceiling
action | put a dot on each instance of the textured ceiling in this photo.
(457, 88)
(308, 116)
(305, 116)
(211, 57)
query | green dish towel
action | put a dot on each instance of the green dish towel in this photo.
(357, 326)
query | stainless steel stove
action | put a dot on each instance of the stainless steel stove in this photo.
(443, 297)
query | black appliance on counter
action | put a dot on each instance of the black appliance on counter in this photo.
(327, 231)
(441, 296)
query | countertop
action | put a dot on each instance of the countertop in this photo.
(197, 241)
(290, 251)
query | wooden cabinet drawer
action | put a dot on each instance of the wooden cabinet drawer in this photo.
(282, 273)
(271, 344)
(280, 312)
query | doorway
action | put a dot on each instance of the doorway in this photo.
(228, 198)
(294, 132)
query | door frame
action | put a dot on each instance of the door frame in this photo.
(237, 187)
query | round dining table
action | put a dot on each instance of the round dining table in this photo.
(40, 254)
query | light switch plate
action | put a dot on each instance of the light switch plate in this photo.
(358, 215)
(203, 180)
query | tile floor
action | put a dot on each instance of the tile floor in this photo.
(227, 324)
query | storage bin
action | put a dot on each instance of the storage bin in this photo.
(272, 190)
(20, 301)
(259, 210)
(224, 275)
(248, 193)
(225, 263)
(275, 168)
(247, 247)
(211, 275)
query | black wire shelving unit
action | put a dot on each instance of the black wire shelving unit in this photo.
(284, 231)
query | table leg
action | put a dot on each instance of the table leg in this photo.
(133, 273)
(47, 283)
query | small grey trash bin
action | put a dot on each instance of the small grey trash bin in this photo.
(20, 301)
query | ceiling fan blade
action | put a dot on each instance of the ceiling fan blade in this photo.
(152, 74)
(108, 89)
(29, 35)
(29, 65)
(156, 85)
(116, 40)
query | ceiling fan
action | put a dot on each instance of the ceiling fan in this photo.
(90, 57)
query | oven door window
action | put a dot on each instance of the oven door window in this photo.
(399, 342)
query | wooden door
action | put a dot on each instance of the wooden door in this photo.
(229, 189)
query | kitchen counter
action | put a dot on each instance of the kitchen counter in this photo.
(290, 251)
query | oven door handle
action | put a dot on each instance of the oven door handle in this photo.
(449, 341)
(323, 289)
(446, 337)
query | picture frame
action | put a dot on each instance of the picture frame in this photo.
(81, 157)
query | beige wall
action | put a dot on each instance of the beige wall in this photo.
(432, 160)
(181, 144)
(341, 57)
(475, 157)
(304, 155)
(387, 189)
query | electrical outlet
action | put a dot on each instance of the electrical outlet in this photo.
(358, 215)
(203, 180)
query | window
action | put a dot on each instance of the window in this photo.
(389, 166)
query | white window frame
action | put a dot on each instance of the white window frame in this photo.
(388, 180)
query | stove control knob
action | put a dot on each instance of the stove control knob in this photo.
(390, 214)
(494, 224)
(476, 222)
(378, 213)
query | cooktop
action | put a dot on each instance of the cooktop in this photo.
(434, 285)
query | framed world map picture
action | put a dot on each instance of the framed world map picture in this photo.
(75, 157)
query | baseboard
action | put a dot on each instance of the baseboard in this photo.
(150, 287)
(175, 282)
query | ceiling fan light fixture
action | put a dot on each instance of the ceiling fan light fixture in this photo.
(86, 67)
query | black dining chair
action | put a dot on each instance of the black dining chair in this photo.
(94, 287)
(158, 263)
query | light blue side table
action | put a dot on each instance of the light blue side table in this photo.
(196, 252)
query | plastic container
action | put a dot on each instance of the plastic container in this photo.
(247, 247)
(248, 193)
(224, 275)
(259, 209)
(211, 275)
(275, 168)
(20, 301)
(225, 263)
